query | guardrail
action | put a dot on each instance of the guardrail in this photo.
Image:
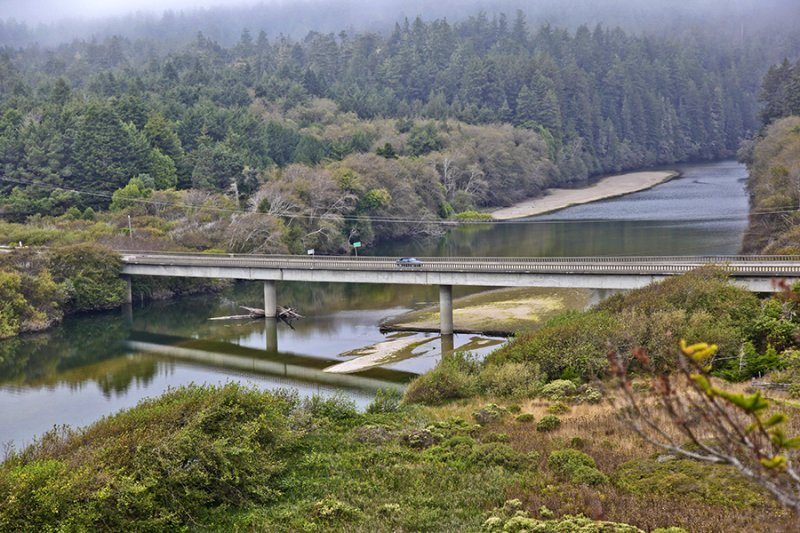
(767, 266)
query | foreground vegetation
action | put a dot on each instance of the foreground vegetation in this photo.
(232, 458)
(510, 444)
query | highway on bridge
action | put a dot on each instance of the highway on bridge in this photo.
(757, 273)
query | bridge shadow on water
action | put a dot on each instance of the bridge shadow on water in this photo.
(290, 368)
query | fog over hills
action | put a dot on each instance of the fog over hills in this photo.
(176, 22)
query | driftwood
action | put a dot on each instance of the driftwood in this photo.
(286, 314)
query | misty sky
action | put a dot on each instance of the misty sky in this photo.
(52, 10)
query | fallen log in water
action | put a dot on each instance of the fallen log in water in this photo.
(287, 314)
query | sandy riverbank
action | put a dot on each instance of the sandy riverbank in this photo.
(497, 311)
(609, 187)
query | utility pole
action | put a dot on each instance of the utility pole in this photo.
(130, 228)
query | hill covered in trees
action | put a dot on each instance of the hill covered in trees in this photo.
(359, 135)
(773, 160)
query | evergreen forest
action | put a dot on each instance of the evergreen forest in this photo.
(335, 137)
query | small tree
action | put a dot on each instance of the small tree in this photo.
(712, 424)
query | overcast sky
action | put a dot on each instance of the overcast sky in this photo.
(51, 10)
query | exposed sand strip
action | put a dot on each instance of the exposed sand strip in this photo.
(609, 187)
(379, 354)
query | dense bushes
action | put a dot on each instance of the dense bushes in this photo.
(572, 340)
(575, 466)
(90, 276)
(236, 459)
(29, 298)
(454, 377)
(172, 461)
(698, 305)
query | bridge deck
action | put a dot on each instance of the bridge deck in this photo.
(770, 266)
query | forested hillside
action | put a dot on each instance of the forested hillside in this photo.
(773, 160)
(286, 144)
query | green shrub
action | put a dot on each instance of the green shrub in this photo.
(709, 483)
(576, 442)
(453, 377)
(13, 306)
(749, 364)
(496, 437)
(588, 394)
(560, 389)
(169, 464)
(575, 466)
(337, 408)
(575, 340)
(329, 509)
(510, 380)
(563, 462)
(548, 423)
(558, 408)
(473, 215)
(525, 418)
(512, 519)
(497, 454)
(386, 401)
(488, 414)
(584, 475)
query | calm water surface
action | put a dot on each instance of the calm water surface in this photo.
(96, 365)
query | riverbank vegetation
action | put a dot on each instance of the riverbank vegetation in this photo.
(37, 287)
(773, 161)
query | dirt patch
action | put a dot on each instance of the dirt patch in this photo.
(610, 187)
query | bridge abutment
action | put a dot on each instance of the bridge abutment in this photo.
(446, 309)
(270, 299)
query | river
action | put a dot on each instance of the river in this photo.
(95, 365)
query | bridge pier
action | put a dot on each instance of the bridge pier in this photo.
(446, 309)
(448, 344)
(270, 299)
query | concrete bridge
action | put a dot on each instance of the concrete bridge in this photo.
(757, 273)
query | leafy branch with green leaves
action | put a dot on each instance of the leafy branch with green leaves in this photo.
(709, 423)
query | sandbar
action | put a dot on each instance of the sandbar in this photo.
(500, 311)
(608, 187)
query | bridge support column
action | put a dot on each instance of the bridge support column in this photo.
(446, 309)
(127, 298)
(448, 344)
(270, 299)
